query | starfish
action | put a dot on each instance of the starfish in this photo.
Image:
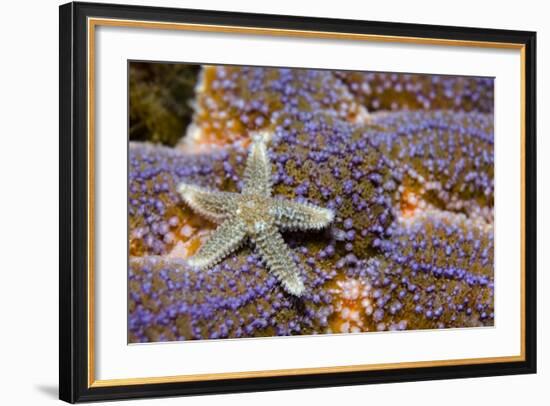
(256, 216)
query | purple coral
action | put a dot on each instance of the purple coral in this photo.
(391, 91)
(237, 298)
(411, 245)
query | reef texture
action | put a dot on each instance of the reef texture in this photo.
(231, 101)
(392, 91)
(411, 244)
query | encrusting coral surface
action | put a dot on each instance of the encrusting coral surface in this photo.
(409, 188)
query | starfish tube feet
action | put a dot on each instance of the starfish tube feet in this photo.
(224, 240)
(257, 174)
(300, 216)
(214, 205)
(278, 258)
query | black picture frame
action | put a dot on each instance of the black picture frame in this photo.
(74, 201)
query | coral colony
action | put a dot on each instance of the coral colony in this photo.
(366, 198)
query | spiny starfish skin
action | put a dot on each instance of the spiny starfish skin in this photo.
(256, 215)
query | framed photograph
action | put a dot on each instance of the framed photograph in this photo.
(257, 202)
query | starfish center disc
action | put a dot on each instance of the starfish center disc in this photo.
(254, 211)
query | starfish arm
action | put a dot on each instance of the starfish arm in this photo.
(291, 215)
(278, 257)
(224, 240)
(257, 174)
(214, 205)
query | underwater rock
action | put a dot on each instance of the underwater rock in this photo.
(159, 93)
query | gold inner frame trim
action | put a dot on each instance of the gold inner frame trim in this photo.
(299, 371)
(94, 22)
